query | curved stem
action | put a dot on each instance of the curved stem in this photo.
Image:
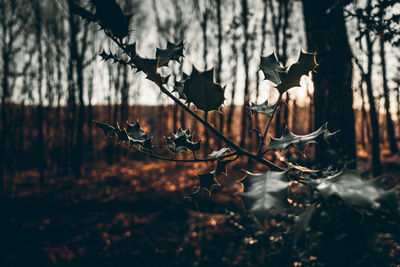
(269, 123)
(183, 160)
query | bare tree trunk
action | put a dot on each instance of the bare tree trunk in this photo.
(333, 95)
(234, 81)
(389, 122)
(376, 161)
(219, 65)
(38, 15)
(245, 114)
(205, 53)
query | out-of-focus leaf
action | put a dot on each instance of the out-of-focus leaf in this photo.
(107, 129)
(221, 167)
(207, 180)
(171, 146)
(348, 185)
(262, 108)
(178, 86)
(172, 52)
(265, 192)
(300, 141)
(220, 153)
(302, 224)
(201, 90)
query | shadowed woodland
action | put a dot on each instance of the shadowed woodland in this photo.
(81, 186)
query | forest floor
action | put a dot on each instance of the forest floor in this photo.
(136, 213)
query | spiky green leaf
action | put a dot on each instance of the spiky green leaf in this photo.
(291, 77)
(201, 90)
(300, 141)
(263, 108)
(270, 66)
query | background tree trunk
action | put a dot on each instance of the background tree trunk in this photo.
(333, 98)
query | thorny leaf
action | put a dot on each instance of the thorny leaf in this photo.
(207, 180)
(265, 192)
(178, 86)
(291, 77)
(172, 52)
(287, 77)
(149, 67)
(220, 153)
(270, 66)
(131, 49)
(201, 90)
(221, 167)
(262, 108)
(183, 138)
(107, 129)
(108, 14)
(171, 146)
(137, 136)
(299, 141)
(182, 141)
(349, 186)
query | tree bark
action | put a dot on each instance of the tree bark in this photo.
(245, 113)
(333, 98)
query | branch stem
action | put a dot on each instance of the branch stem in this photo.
(260, 145)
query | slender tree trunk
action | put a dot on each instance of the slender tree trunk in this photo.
(234, 81)
(219, 65)
(205, 53)
(389, 122)
(333, 96)
(71, 110)
(41, 159)
(4, 108)
(245, 114)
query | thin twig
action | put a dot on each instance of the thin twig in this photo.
(260, 145)
(183, 160)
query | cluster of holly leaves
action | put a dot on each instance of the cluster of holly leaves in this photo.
(263, 193)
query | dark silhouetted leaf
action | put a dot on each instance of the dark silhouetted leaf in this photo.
(201, 90)
(300, 141)
(83, 13)
(262, 108)
(172, 52)
(270, 66)
(171, 146)
(183, 138)
(181, 141)
(207, 180)
(287, 77)
(137, 136)
(265, 192)
(291, 77)
(108, 129)
(178, 86)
